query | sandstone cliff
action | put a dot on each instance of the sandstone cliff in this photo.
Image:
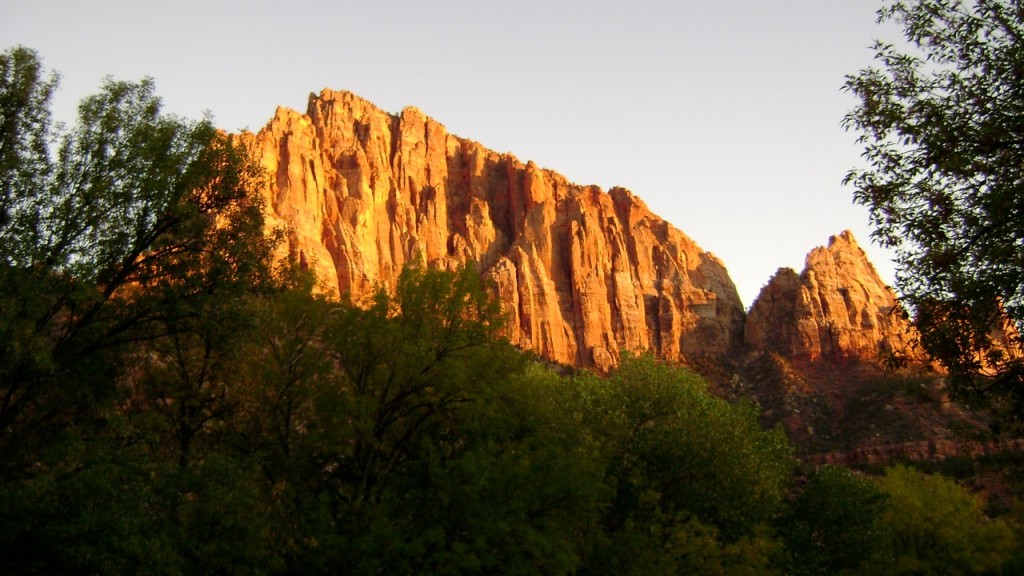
(583, 274)
(838, 307)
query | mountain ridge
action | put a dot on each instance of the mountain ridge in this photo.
(582, 274)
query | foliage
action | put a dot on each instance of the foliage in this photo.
(407, 362)
(143, 225)
(690, 472)
(833, 523)
(935, 526)
(941, 123)
(24, 132)
(129, 245)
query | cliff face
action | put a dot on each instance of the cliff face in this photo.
(582, 274)
(837, 307)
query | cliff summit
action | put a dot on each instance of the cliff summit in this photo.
(581, 273)
(838, 307)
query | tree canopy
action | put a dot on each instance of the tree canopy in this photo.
(941, 117)
(935, 526)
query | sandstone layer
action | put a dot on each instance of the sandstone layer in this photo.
(838, 307)
(582, 274)
(920, 451)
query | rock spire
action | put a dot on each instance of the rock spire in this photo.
(838, 307)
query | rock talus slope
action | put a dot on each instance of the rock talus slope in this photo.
(582, 274)
(838, 307)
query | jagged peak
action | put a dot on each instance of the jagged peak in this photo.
(784, 271)
(845, 236)
(413, 111)
(837, 307)
(844, 252)
(329, 94)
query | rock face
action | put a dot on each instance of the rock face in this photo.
(921, 451)
(838, 307)
(582, 274)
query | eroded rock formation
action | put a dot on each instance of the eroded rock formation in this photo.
(837, 307)
(583, 274)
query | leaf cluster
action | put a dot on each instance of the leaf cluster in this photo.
(941, 118)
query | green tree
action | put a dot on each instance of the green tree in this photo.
(290, 421)
(138, 225)
(24, 133)
(942, 121)
(286, 386)
(510, 486)
(935, 526)
(131, 244)
(404, 436)
(692, 475)
(833, 523)
(406, 360)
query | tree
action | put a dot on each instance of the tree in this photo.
(695, 480)
(935, 526)
(134, 225)
(942, 121)
(407, 360)
(833, 523)
(510, 485)
(24, 131)
(130, 245)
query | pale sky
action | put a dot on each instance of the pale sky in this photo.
(722, 115)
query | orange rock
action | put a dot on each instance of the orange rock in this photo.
(838, 307)
(582, 274)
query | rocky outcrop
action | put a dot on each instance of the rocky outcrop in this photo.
(582, 274)
(838, 307)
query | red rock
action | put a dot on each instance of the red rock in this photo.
(838, 307)
(582, 274)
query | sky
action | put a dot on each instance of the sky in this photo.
(723, 116)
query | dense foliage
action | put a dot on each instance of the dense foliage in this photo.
(942, 121)
(936, 527)
(833, 524)
(174, 402)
